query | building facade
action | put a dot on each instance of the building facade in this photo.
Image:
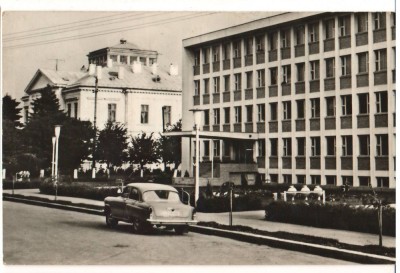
(132, 89)
(296, 97)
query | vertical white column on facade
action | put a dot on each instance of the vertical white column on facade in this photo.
(267, 108)
(292, 96)
(307, 103)
(322, 76)
(280, 107)
(338, 105)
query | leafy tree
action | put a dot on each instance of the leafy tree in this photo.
(112, 144)
(143, 150)
(47, 104)
(171, 146)
(11, 111)
(12, 146)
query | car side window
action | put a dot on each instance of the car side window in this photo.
(134, 194)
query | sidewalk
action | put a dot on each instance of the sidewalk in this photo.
(254, 219)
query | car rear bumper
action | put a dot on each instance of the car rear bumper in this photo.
(172, 222)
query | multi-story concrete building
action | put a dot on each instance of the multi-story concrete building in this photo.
(297, 97)
(132, 89)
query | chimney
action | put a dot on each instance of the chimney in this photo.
(122, 41)
(136, 67)
(109, 63)
(154, 69)
(92, 69)
(173, 70)
(121, 72)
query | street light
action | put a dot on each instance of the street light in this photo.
(197, 121)
(96, 73)
(57, 129)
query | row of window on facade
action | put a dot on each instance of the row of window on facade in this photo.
(381, 102)
(72, 111)
(286, 72)
(123, 59)
(344, 26)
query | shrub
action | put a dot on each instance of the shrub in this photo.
(332, 216)
(8, 185)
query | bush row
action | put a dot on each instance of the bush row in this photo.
(239, 203)
(334, 216)
(8, 185)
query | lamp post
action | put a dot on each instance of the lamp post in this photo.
(96, 73)
(197, 121)
(57, 130)
(53, 140)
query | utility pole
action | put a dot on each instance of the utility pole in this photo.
(57, 60)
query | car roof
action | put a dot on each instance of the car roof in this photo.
(151, 187)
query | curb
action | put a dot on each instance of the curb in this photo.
(325, 251)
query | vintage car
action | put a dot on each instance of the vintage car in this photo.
(146, 205)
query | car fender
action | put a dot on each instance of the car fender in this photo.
(138, 211)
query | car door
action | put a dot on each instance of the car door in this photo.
(118, 209)
(131, 208)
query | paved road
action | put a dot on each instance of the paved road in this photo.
(43, 236)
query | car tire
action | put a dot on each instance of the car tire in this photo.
(111, 222)
(181, 229)
(140, 227)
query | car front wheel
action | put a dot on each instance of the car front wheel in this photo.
(111, 222)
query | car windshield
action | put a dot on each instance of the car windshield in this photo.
(160, 196)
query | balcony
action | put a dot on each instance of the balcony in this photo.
(237, 95)
(216, 97)
(196, 100)
(273, 162)
(196, 70)
(260, 57)
(248, 94)
(315, 162)
(216, 66)
(216, 128)
(299, 50)
(381, 120)
(330, 162)
(286, 125)
(273, 91)
(260, 92)
(285, 53)
(344, 42)
(226, 96)
(261, 127)
(382, 163)
(330, 123)
(237, 62)
(345, 81)
(379, 35)
(363, 121)
(206, 68)
(286, 162)
(248, 127)
(380, 77)
(237, 127)
(226, 64)
(362, 79)
(286, 89)
(314, 86)
(364, 162)
(248, 60)
(300, 162)
(346, 122)
(329, 44)
(361, 38)
(315, 124)
(273, 55)
(346, 162)
(226, 127)
(273, 126)
(300, 87)
(313, 48)
(329, 84)
(206, 99)
(300, 125)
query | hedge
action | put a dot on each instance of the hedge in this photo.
(239, 203)
(7, 185)
(335, 216)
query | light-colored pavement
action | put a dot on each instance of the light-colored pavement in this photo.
(254, 219)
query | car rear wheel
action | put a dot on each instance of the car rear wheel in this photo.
(138, 226)
(181, 229)
(111, 222)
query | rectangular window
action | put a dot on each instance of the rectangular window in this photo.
(301, 179)
(274, 146)
(300, 35)
(287, 110)
(216, 84)
(330, 29)
(216, 148)
(314, 70)
(75, 110)
(330, 106)
(261, 112)
(249, 80)
(315, 146)
(346, 105)
(287, 147)
(382, 182)
(216, 116)
(261, 147)
(330, 67)
(197, 58)
(287, 178)
(362, 22)
(347, 180)
(364, 181)
(69, 110)
(206, 83)
(215, 51)
(286, 74)
(381, 102)
(363, 102)
(114, 58)
(123, 59)
(301, 146)
(238, 82)
(380, 60)
(227, 151)
(330, 180)
(331, 145)
(274, 111)
(313, 33)
(274, 75)
(249, 46)
(226, 51)
(363, 63)
(197, 88)
(379, 20)
(315, 179)
(382, 148)
(300, 72)
(167, 115)
(227, 85)
(236, 49)
(238, 114)
(112, 109)
(364, 145)
(344, 26)
(142, 60)
(347, 145)
(315, 108)
(285, 38)
(300, 109)
(261, 78)
(346, 65)
(249, 113)
(206, 144)
(206, 117)
(206, 55)
(260, 44)
(273, 40)
(227, 115)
